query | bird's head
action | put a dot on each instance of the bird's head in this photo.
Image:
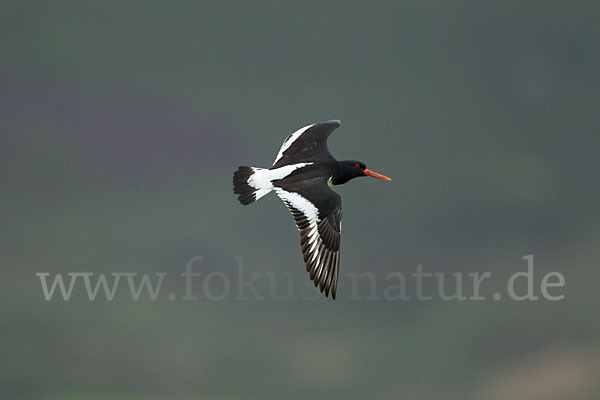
(351, 169)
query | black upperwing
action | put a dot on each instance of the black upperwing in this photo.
(308, 144)
(317, 211)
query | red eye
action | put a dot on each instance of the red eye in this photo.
(356, 165)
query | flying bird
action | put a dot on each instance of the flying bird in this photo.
(302, 176)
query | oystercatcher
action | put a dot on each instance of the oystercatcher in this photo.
(301, 176)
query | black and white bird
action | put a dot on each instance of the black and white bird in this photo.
(301, 176)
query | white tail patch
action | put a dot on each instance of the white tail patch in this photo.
(262, 178)
(261, 181)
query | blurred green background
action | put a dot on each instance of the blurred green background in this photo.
(121, 125)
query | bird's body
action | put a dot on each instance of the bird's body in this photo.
(301, 176)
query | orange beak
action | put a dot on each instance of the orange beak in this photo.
(376, 175)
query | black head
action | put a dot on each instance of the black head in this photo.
(351, 169)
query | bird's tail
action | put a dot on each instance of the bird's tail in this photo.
(250, 184)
